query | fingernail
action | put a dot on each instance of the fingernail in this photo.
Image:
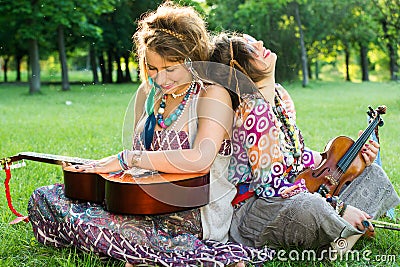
(366, 145)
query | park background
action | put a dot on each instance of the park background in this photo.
(68, 72)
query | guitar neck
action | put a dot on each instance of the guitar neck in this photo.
(46, 158)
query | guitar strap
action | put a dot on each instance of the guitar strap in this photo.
(20, 217)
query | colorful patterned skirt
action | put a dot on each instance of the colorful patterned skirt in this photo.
(167, 240)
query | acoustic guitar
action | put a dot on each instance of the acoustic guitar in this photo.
(342, 160)
(136, 192)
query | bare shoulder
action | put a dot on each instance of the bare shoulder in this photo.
(215, 102)
(214, 91)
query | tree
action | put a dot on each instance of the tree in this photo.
(304, 62)
(266, 20)
(118, 28)
(76, 15)
(30, 30)
(390, 21)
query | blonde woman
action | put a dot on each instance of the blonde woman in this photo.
(183, 125)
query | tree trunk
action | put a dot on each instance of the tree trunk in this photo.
(34, 78)
(364, 62)
(93, 64)
(5, 68)
(393, 67)
(392, 62)
(128, 77)
(109, 66)
(63, 59)
(103, 71)
(18, 60)
(120, 75)
(302, 45)
(316, 70)
(347, 59)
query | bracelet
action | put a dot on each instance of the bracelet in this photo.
(343, 209)
(136, 158)
(122, 156)
(338, 205)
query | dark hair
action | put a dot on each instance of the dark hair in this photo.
(225, 43)
(240, 79)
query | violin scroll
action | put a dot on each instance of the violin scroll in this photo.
(376, 113)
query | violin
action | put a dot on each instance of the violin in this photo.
(342, 160)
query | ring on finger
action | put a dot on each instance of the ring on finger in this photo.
(365, 223)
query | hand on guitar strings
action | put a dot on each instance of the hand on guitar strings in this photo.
(369, 151)
(105, 165)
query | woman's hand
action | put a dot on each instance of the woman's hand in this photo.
(369, 151)
(105, 165)
(357, 218)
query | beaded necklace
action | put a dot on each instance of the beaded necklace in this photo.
(165, 123)
(289, 135)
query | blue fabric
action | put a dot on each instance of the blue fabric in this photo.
(390, 213)
(148, 131)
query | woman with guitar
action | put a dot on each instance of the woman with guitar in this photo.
(182, 126)
(274, 204)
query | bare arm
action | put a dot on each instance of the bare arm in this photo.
(215, 120)
(214, 124)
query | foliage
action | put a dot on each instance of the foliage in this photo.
(330, 28)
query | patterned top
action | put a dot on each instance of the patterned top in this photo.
(261, 156)
(175, 140)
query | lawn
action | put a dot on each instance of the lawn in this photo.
(88, 120)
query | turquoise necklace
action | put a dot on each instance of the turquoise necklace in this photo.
(165, 123)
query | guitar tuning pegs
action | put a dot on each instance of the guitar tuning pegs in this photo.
(381, 123)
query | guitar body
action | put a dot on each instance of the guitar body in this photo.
(147, 195)
(328, 173)
(156, 194)
(84, 186)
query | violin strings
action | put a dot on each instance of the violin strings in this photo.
(355, 148)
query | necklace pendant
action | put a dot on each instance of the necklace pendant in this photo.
(178, 95)
(289, 160)
(239, 122)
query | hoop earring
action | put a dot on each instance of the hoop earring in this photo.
(195, 76)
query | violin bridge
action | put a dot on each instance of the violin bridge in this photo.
(332, 180)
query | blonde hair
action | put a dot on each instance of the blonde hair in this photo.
(174, 32)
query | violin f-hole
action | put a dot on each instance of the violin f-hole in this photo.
(321, 172)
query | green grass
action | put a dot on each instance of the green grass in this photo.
(91, 127)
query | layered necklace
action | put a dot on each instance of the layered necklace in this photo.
(165, 123)
(289, 133)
